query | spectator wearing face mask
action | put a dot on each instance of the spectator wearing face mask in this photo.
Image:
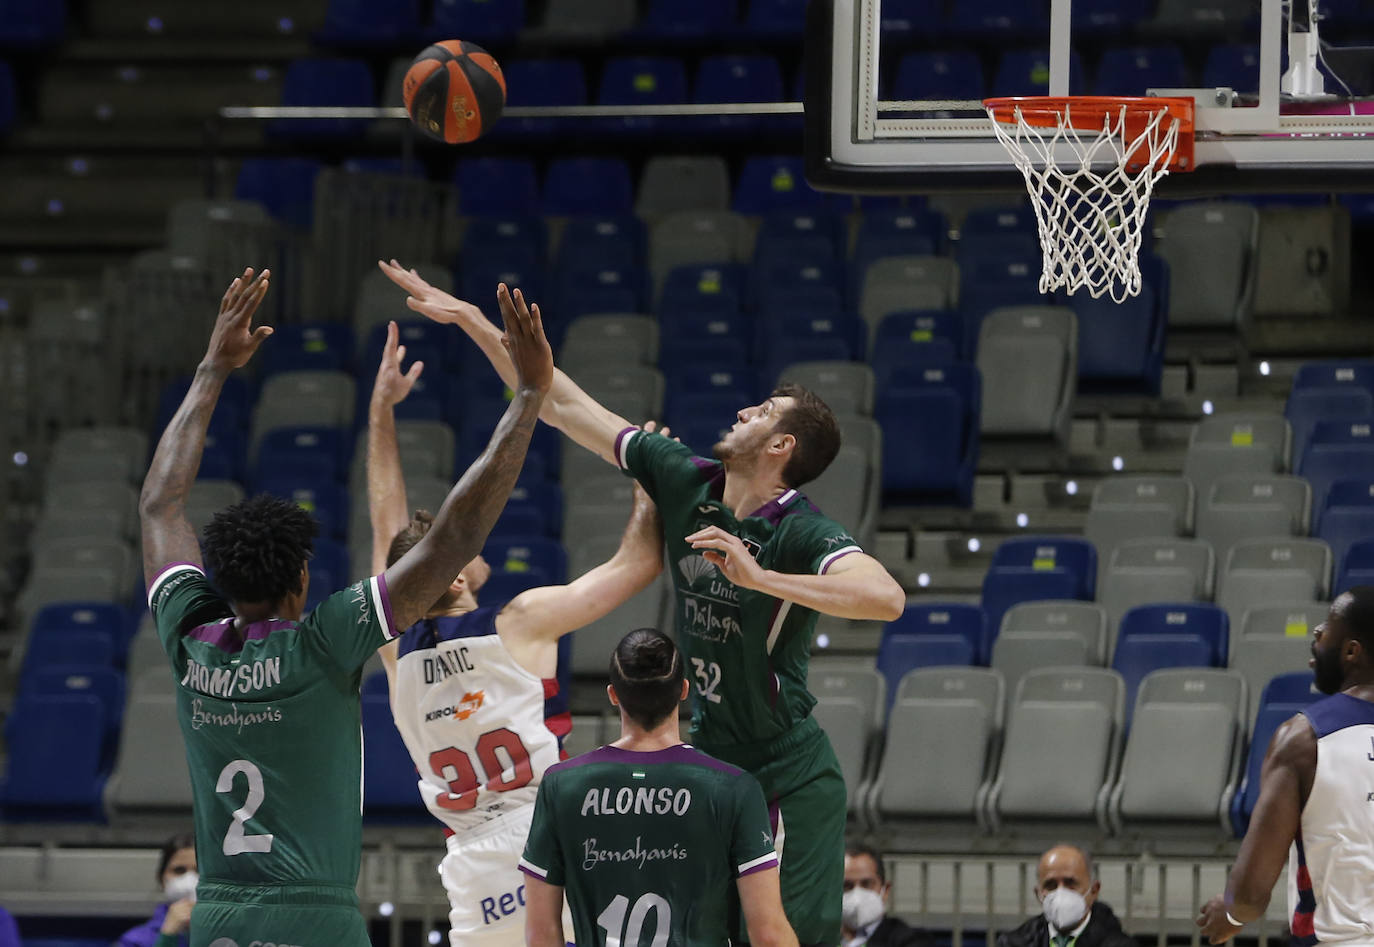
(1071, 915)
(863, 918)
(170, 924)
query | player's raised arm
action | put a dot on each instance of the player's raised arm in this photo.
(168, 536)
(568, 407)
(386, 488)
(467, 515)
(554, 610)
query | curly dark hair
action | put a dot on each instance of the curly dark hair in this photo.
(256, 548)
(646, 670)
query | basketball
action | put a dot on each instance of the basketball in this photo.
(454, 91)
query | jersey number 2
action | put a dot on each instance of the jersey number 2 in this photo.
(236, 842)
(463, 784)
(622, 934)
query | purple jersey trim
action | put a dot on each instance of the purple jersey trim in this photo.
(835, 557)
(622, 443)
(170, 567)
(682, 753)
(770, 861)
(223, 635)
(391, 631)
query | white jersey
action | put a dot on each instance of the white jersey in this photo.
(473, 719)
(1330, 896)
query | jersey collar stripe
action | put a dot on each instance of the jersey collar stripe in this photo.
(622, 445)
(534, 870)
(778, 620)
(169, 570)
(830, 560)
(758, 864)
(383, 603)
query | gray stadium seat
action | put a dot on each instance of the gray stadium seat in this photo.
(1273, 639)
(1192, 718)
(1146, 571)
(696, 236)
(585, 21)
(847, 387)
(71, 378)
(110, 502)
(1227, 444)
(380, 300)
(588, 733)
(426, 449)
(635, 392)
(848, 490)
(1085, 621)
(155, 96)
(48, 585)
(109, 554)
(208, 497)
(99, 453)
(941, 746)
(150, 773)
(635, 336)
(146, 653)
(847, 724)
(1059, 715)
(598, 505)
(303, 399)
(1017, 652)
(1210, 249)
(1028, 357)
(191, 224)
(674, 183)
(592, 645)
(1253, 506)
(1273, 571)
(907, 282)
(1138, 508)
(832, 678)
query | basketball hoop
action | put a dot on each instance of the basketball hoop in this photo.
(1091, 164)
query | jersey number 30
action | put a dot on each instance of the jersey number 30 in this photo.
(455, 767)
(236, 841)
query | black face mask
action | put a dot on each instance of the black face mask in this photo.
(1327, 670)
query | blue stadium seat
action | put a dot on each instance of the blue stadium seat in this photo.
(904, 18)
(1037, 568)
(1284, 696)
(1091, 17)
(390, 790)
(424, 340)
(325, 82)
(595, 288)
(1357, 568)
(1133, 69)
(539, 506)
(477, 419)
(50, 649)
(231, 411)
(504, 586)
(1346, 517)
(795, 335)
(323, 498)
(803, 234)
(730, 330)
(478, 21)
(602, 240)
(775, 183)
(640, 80)
(703, 418)
(104, 683)
(394, 167)
(1027, 72)
(895, 231)
(1121, 345)
(987, 283)
(527, 554)
(702, 287)
(374, 684)
(330, 571)
(1335, 374)
(499, 186)
(1151, 637)
(929, 420)
(930, 635)
(1003, 231)
(31, 24)
(55, 755)
(481, 272)
(1233, 65)
(308, 346)
(368, 24)
(594, 186)
(9, 99)
(741, 79)
(1324, 464)
(522, 235)
(776, 19)
(994, 18)
(1307, 407)
(683, 20)
(311, 452)
(540, 82)
(785, 285)
(732, 382)
(906, 341)
(223, 457)
(103, 618)
(954, 74)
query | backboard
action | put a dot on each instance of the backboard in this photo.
(894, 87)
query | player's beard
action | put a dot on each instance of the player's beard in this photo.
(1326, 670)
(739, 451)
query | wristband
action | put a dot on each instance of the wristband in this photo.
(1232, 921)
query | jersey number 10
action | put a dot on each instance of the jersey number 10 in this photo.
(620, 933)
(455, 767)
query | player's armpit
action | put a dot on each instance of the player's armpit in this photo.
(760, 895)
(543, 913)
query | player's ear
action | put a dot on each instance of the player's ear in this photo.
(783, 444)
(611, 695)
(683, 694)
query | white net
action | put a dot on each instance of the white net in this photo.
(1092, 208)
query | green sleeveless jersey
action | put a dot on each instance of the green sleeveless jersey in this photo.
(747, 652)
(270, 715)
(647, 846)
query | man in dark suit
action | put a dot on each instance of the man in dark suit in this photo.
(1071, 916)
(864, 921)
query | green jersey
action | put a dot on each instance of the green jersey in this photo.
(748, 652)
(647, 845)
(270, 715)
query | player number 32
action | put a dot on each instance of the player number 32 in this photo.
(708, 679)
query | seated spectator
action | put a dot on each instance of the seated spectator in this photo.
(864, 907)
(1071, 916)
(170, 924)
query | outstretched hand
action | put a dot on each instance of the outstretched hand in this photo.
(233, 340)
(428, 300)
(392, 385)
(524, 340)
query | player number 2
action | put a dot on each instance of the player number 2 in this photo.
(455, 767)
(236, 842)
(708, 679)
(612, 920)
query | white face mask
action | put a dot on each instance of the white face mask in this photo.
(861, 907)
(1064, 908)
(181, 886)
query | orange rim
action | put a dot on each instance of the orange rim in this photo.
(1087, 113)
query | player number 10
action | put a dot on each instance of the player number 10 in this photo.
(612, 920)
(708, 679)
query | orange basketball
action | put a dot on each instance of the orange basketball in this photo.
(454, 91)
